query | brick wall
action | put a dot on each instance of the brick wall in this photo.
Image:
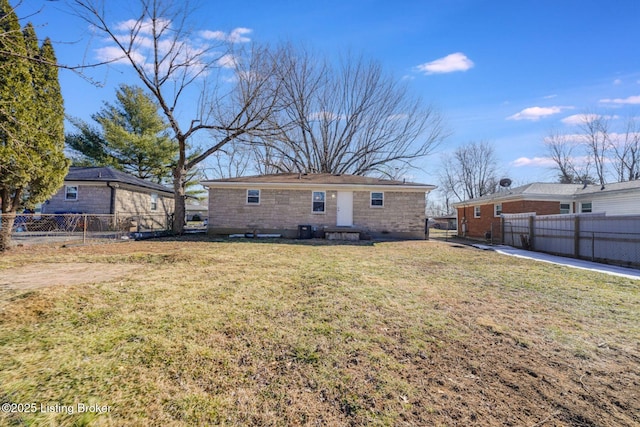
(96, 199)
(401, 213)
(133, 202)
(477, 227)
(93, 199)
(282, 211)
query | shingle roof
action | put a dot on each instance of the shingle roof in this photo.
(542, 190)
(106, 174)
(317, 178)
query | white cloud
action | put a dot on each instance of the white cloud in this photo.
(536, 113)
(323, 116)
(617, 82)
(228, 61)
(193, 54)
(115, 55)
(535, 161)
(143, 27)
(550, 96)
(237, 35)
(579, 119)
(629, 100)
(449, 64)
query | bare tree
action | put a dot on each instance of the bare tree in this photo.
(233, 160)
(626, 149)
(472, 171)
(595, 131)
(159, 44)
(561, 149)
(350, 118)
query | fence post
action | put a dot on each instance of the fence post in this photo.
(576, 236)
(501, 230)
(532, 220)
(84, 229)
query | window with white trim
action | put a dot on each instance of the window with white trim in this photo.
(476, 211)
(253, 197)
(154, 201)
(377, 199)
(565, 208)
(317, 202)
(71, 192)
(586, 207)
(497, 209)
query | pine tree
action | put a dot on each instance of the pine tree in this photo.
(131, 137)
(32, 162)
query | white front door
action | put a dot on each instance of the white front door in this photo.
(344, 217)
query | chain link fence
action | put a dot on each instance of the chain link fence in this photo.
(84, 228)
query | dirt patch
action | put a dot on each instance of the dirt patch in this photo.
(42, 275)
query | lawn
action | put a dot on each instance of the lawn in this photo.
(177, 333)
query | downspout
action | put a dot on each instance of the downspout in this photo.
(112, 203)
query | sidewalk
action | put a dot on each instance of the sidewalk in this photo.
(615, 270)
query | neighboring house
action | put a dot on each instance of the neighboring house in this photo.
(326, 203)
(197, 210)
(480, 216)
(447, 222)
(103, 190)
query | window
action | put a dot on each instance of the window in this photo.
(565, 208)
(318, 201)
(585, 207)
(253, 197)
(71, 192)
(377, 200)
(476, 211)
(497, 209)
(154, 201)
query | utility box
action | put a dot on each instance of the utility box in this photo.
(305, 232)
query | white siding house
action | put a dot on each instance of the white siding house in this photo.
(620, 198)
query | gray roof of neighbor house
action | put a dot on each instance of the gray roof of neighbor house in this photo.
(106, 174)
(550, 191)
(316, 179)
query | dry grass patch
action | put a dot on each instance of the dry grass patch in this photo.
(285, 333)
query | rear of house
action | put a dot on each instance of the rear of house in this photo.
(106, 191)
(481, 217)
(326, 203)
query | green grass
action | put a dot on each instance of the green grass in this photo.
(244, 333)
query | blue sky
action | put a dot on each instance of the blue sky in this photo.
(507, 72)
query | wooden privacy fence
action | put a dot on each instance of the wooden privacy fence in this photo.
(594, 237)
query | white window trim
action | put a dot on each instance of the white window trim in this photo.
(371, 205)
(66, 193)
(324, 210)
(154, 201)
(476, 213)
(495, 210)
(259, 197)
(570, 207)
(583, 203)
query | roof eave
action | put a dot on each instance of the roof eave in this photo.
(311, 185)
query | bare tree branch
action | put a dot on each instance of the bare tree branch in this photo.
(348, 119)
(237, 89)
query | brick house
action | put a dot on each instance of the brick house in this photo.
(106, 191)
(479, 217)
(281, 203)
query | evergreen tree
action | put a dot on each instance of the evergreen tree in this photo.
(131, 136)
(32, 162)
